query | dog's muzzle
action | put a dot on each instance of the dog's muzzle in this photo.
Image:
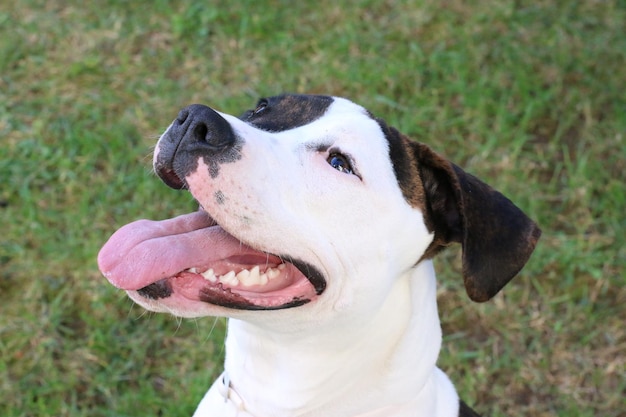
(198, 131)
(192, 258)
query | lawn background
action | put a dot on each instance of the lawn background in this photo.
(529, 96)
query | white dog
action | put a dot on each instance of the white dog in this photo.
(317, 227)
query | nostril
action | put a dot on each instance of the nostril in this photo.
(200, 132)
(182, 116)
(204, 128)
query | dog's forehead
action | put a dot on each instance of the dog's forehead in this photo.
(289, 111)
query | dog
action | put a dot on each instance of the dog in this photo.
(315, 236)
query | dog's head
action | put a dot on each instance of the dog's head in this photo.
(308, 202)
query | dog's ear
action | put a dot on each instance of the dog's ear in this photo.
(497, 238)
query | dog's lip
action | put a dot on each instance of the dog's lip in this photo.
(146, 252)
(290, 289)
(169, 177)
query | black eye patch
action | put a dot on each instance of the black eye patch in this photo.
(280, 113)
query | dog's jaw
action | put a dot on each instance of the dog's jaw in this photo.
(322, 370)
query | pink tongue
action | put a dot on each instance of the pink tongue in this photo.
(146, 251)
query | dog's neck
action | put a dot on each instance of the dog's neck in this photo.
(397, 346)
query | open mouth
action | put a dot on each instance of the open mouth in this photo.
(193, 257)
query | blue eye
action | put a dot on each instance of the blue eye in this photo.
(340, 163)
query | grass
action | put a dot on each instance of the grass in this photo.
(529, 96)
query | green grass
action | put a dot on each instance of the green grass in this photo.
(529, 96)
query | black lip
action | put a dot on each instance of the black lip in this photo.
(156, 290)
(217, 295)
(169, 177)
(310, 272)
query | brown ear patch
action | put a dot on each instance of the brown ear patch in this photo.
(496, 236)
(405, 165)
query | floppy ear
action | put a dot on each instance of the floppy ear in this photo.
(497, 238)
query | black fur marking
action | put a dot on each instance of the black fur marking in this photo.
(404, 164)
(496, 236)
(466, 411)
(220, 198)
(280, 113)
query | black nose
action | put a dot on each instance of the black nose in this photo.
(199, 125)
(198, 131)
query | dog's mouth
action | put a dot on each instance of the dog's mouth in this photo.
(193, 257)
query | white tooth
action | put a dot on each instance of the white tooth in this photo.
(247, 278)
(252, 278)
(209, 275)
(281, 266)
(229, 279)
(193, 270)
(255, 275)
(263, 279)
(273, 272)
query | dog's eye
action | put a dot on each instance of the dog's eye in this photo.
(340, 163)
(260, 107)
